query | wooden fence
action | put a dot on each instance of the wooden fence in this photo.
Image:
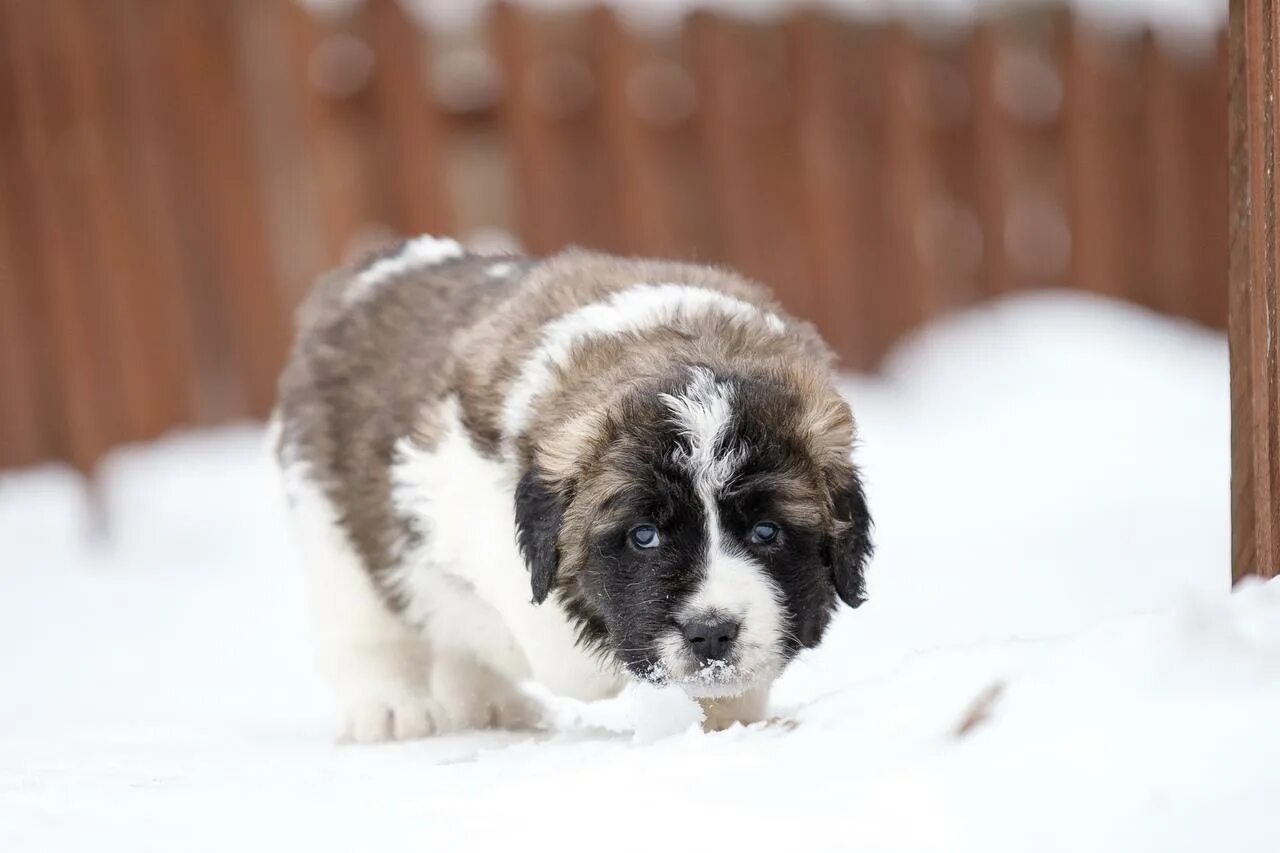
(174, 172)
(1255, 297)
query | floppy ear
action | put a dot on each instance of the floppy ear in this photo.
(539, 514)
(849, 547)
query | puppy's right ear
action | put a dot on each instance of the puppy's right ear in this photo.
(539, 515)
(850, 548)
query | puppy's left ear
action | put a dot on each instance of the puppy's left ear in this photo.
(539, 515)
(849, 546)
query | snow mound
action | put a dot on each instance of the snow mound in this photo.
(644, 711)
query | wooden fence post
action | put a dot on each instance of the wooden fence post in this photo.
(1254, 326)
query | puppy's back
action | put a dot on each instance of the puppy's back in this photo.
(373, 345)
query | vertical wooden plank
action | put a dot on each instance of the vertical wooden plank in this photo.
(29, 413)
(176, 200)
(92, 215)
(464, 88)
(543, 209)
(1254, 332)
(651, 219)
(275, 108)
(948, 235)
(22, 441)
(414, 131)
(1017, 82)
(1210, 185)
(194, 58)
(260, 326)
(835, 168)
(154, 237)
(49, 159)
(910, 173)
(747, 115)
(551, 113)
(1168, 168)
(333, 66)
(1103, 149)
(122, 255)
(863, 53)
(995, 155)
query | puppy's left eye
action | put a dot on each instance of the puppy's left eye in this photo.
(764, 533)
(645, 537)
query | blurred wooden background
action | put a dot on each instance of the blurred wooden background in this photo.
(174, 172)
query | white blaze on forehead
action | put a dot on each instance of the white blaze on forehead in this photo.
(734, 584)
(636, 309)
(417, 253)
(702, 412)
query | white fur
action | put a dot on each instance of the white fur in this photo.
(417, 253)
(702, 413)
(378, 666)
(735, 585)
(468, 583)
(501, 269)
(644, 306)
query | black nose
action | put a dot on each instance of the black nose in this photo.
(710, 639)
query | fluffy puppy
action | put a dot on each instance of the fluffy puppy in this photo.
(577, 470)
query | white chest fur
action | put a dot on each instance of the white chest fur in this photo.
(466, 584)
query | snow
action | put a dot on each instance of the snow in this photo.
(1049, 478)
(1178, 15)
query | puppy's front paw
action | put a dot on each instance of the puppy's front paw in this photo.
(372, 718)
(717, 720)
(720, 714)
(477, 697)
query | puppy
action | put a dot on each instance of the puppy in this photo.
(578, 470)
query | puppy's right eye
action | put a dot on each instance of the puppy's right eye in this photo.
(645, 536)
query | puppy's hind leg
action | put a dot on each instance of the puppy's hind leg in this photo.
(377, 664)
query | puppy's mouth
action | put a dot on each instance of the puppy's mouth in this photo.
(673, 665)
(717, 679)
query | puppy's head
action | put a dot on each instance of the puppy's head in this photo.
(700, 529)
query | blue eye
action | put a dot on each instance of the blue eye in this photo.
(645, 536)
(764, 533)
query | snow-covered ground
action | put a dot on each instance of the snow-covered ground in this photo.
(1049, 478)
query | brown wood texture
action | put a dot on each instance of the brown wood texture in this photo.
(643, 129)
(1169, 172)
(413, 156)
(145, 169)
(331, 63)
(28, 413)
(1018, 79)
(209, 104)
(121, 265)
(552, 116)
(88, 413)
(836, 169)
(1254, 331)
(910, 184)
(747, 116)
(1101, 140)
(174, 173)
(1212, 186)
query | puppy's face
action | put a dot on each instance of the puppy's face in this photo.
(708, 534)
